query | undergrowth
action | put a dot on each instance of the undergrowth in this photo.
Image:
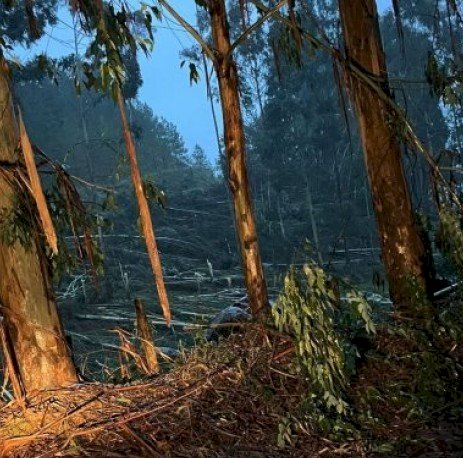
(392, 385)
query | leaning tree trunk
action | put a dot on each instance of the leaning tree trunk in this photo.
(236, 159)
(402, 248)
(31, 319)
(144, 211)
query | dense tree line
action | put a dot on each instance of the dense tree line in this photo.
(292, 148)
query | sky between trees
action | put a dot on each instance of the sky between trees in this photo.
(166, 87)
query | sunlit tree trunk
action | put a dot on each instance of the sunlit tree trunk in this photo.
(402, 248)
(144, 211)
(146, 338)
(236, 159)
(31, 319)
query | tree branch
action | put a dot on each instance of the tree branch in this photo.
(267, 15)
(190, 29)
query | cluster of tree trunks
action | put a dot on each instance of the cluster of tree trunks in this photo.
(31, 320)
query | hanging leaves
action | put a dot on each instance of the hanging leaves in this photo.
(104, 68)
(153, 193)
(69, 211)
(305, 310)
(31, 19)
(449, 237)
(194, 74)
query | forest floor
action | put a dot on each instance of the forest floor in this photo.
(243, 397)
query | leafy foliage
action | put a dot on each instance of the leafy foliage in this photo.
(113, 48)
(450, 237)
(361, 308)
(323, 328)
(19, 23)
(153, 193)
(305, 310)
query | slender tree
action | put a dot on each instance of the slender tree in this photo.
(144, 211)
(32, 324)
(402, 248)
(112, 35)
(235, 145)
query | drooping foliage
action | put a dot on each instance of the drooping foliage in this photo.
(24, 22)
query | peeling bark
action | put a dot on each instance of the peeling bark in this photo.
(146, 338)
(402, 248)
(235, 146)
(36, 188)
(145, 215)
(27, 305)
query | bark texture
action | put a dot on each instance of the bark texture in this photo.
(145, 215)
(27, 305)
(402, 248)
(235, 146)
(146, 338)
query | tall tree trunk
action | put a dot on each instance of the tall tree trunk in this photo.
(402, 248)
(26, 301)
(144, 211)
(236, 159)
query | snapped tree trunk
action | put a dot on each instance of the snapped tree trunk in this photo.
(402, 248)
(145, 215)
(236, 159)
(31, 318)
(146, 338)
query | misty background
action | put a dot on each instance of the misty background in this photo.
(166, 87)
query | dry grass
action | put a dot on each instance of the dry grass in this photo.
(225, 400)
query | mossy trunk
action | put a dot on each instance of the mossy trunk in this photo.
(27, 305)
(235, 146)
(402, 248)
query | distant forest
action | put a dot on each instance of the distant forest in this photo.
(305, 159)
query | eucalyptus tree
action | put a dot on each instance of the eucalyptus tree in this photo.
(35, 337)
(221, 53)
(402, 248)
(111, 33)
(304, 158)
(303, 117)
(235, 144)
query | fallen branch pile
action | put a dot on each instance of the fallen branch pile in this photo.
(225, 400)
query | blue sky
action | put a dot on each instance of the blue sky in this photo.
(166, 87)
